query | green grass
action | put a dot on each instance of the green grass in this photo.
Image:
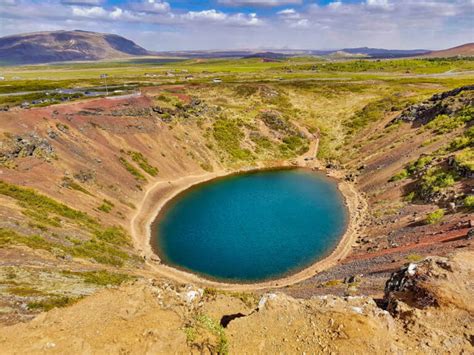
(71, 184)
(101, 278)
(106, 206)
(201, 329)
(142, 162)
(228, 136)
(105, 243)
(434, 217)
(40, 204)
(9, 237)
(132, 170)
(53, 302)
(372, 112)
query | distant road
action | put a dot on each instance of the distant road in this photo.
(74, 89)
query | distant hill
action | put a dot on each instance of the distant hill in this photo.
(58, 46)
(465, 50)
(267, 55)
(276, 54)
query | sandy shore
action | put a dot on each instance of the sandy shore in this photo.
(158, 194)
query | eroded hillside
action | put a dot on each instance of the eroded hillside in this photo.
(75, 175)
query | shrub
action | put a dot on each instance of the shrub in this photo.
(469, 201)
(465, 159)
(419, 165)
(435, 216)
(436, 180)
(442, 124)
(399, 176)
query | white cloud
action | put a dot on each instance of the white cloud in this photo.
(216, 16)
(151, 6)
(154, 24)
(91, 12)
(303, 23)
(268, 3)
(380, 4)
(288, 13)
(83, 2)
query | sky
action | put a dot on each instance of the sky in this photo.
(253, 24)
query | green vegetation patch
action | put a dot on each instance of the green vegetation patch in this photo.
(132, 170)
(465, 159)
(142, 162)
(293, 145)
(53, 302)
(403, 174)
(71, 184)
(435, 180)
(43, 205)
(106, 206)
(228, 135)
(205, 332)
(435, 216)
(371, 112)
(469, 201)
(10, 237)
(104, 245)
(101, 277)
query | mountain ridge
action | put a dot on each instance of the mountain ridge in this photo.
(57, 46)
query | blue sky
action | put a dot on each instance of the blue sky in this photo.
(265, 24)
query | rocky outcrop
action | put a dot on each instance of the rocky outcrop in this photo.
(27, 145)
(442, 103)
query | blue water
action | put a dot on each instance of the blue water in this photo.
(252, 227)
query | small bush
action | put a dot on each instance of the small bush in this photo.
(465, 159)
(435, 216)
(436, 180)
(469, 201)
(400, 176)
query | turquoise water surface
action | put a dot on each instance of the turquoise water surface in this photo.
(252, 227)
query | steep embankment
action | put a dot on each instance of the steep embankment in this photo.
(415, 169)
